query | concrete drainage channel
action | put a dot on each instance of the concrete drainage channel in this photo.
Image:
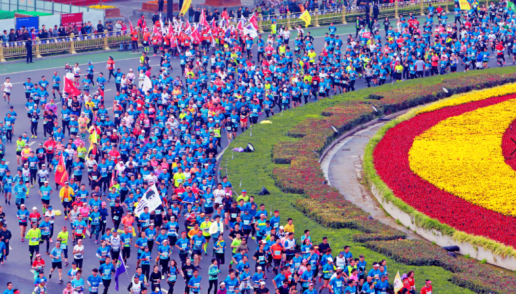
(341, 163)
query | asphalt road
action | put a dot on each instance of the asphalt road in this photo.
(17, 269)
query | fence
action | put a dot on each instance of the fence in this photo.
(346, 15)
(63, 45)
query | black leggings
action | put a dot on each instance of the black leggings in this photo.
(34, 128)
(33, 174)
(111, 73)
(171, 287)
(106, 284)
(78, 262)
(215, 284)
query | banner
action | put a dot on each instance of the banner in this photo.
(120, 269)
(28, 22)
(186, 6)
(150, 199)
(74, 19)
(306, 18)
(61, 175)
(464, 5)
(398, 283)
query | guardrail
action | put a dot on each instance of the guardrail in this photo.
(346, 15)
(62, 45)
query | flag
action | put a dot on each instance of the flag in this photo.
(131, 26)
(186, 6)
(305, 16)
(161, 24)
(69, 86)
(240, 25)
(196, 36)
(150, 199)
(120, 269)
(188, 29)
(251, 31)
(511, 5)
(147, 84)
(398, 283)
(202, 20)
(254, 21)
(61, 175)
(464, 5)
(213, 24)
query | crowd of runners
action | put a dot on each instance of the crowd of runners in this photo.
(166, 136)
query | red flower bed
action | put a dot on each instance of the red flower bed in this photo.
(508, 145)
(392, 164)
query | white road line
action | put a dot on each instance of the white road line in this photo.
(14, 83)
(31, 270)
(10, 248)
(6, 163)
(100, 62)
(32, 143)
(109, 108)
(108, 90)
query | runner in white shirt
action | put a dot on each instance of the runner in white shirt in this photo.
(8, 86)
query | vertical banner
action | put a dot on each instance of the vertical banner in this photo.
(73, 19)
(28, 22)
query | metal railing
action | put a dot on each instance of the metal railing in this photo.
(63, 45)
(339, 15)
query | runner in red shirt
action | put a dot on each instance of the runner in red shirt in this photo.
(499, 53)
(50, 145)
(427, 289)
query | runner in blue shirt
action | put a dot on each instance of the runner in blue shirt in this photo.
(94, 282)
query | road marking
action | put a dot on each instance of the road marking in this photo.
(10, 248)
(6, 163)
(32, 143)
(31, 270)
(108, 90)
(100, 62)
(109, 108)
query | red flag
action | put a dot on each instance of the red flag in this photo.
(240, 26)
(254, 21)
(111, 183)
(70, 88)
(61, 175)
(131, 26)
(203, 21)
(196, 36)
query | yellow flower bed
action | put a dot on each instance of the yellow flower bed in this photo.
(101, 6)
(470, 97)
(463, 155)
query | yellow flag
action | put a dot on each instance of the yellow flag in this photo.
(305, 16)
(398, 283)
(186, 6)
(464, 5)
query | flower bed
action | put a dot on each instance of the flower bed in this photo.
(391, 159)
(459, 151)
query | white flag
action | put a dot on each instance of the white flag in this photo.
(150, 199)
(147, 84)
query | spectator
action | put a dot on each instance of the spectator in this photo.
(5, 37)
(100, 27)
(197, 15)
(62, 31)
(12, 36)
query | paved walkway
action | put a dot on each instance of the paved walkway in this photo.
(343, 169)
